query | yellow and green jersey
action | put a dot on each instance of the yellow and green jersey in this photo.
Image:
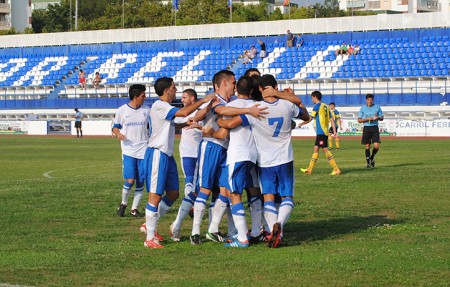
(322, 115)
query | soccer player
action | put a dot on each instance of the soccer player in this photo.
(160, 166)
(78, 117)
(131, 125)
(369, 115)
(338, 122)
(322, 115)
(241, 163)
(274, 154)
(212, 158)
(188, 147)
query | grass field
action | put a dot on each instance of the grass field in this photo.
(383, 227)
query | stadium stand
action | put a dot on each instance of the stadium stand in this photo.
(402, 67)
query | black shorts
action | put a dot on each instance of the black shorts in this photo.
(78, 124)
(370, 135)
(330, 131)
(321, 141)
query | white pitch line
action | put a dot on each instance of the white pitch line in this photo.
(9, 285)
(47, 175)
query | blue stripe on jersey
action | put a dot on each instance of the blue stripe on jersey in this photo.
(214, 109)
(171, 114)
(245, 121)
(117, 126)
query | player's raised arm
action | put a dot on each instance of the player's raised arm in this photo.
(186, 111)
(286, 94)
(254, 110)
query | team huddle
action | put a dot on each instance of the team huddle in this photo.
(230, 145)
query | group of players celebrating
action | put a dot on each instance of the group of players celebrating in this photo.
(229, 144)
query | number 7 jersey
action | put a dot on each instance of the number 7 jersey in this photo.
(273, 133)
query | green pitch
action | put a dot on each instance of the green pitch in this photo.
(383, 227)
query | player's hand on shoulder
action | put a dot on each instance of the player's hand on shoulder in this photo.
(268, 92)
(258, 112)
(209, 97)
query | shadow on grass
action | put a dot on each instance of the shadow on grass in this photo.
(403, 164)
(365, 169)
(303, 232)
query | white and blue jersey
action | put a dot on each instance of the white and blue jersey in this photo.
(369, 112)
(241, 145)
(210, 120)
(273, 142)
(162, 127)
(188, 147)
(160, 166)
(272, 134)
(133, 124)
(241, 155)
(190, 138)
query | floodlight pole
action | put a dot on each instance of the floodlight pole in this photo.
(231, 14)
(70, 15)
(123, 14)
(76, 15)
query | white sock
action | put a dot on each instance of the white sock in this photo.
(164, 206)
(256, 215)
(239, 221)
(217, 213)
(138, 194)
(184, 209)
(199, 211)
(270, 214)
(188, 188)
(230, 220)
(126, 192)
(210, 209)
(285, 210)
(151, 218)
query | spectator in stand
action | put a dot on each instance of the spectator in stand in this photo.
(262, 53)
(289, 39)
(246, 57)
(350, 50)
(82, 79)
(356, 49)
(342, 49)
(252, 52)
(300, 40)
(97, 80)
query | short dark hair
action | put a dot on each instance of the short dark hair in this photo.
(332, 103)
(369, 96)
(317, 95)
(191, 92)
(135, 91)
(256, 94)
(162, 84)
(250, 70)
(76, 109)
(220, 76)
(244, 85)
(268, 80)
